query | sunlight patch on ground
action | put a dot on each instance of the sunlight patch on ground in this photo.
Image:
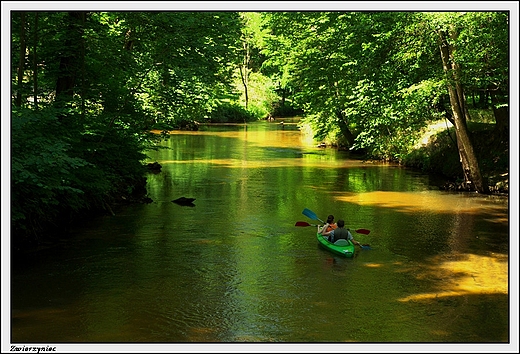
(473, 275)
(432, 129)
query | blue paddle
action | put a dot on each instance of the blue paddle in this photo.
(310, 214)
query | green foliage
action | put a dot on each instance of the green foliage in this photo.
(482, 115)
(377, 75)
(261, 95)
(370, 80)
(481, 49)
(323, 129)
(440, 155)
(59, 172)
(231, 113)
(123, 73)
(43, 173)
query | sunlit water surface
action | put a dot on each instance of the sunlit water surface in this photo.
(235, 268)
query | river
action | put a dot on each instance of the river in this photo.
(234, 268)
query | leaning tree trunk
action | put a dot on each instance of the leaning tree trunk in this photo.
(342, 119)
(468, 159)
(343, 126)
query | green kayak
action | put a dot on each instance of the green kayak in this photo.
(341, 247)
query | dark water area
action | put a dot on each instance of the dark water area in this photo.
(234, 268)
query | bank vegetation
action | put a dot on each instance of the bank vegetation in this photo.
(89, 86)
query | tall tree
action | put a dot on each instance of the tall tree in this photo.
(468, 159)
(70, 59)
(377, 78)
(341, 66)
(99, 79)
(35, 60)
(252, 39)
(244, 67)
(21, 60)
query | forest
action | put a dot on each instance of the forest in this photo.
(89, 88)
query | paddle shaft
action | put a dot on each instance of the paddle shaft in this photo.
(304, 223)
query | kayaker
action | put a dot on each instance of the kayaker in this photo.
(340, 233)
(329, 225)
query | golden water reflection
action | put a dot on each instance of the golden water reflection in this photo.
(281, 162)
(469, 275)
(425, 201)
(438, 271)
(274, 138)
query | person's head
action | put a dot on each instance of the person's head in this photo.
(330, 219)
(341, 223)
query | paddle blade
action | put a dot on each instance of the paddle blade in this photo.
(366, 246)
(302, 223)
(310, 214)
(363, 231)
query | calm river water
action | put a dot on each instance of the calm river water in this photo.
(234, 268)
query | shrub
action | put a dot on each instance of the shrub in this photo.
(231, 113)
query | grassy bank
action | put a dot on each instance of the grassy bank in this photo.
(436, 152)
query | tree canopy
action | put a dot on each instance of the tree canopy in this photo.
(87, 87)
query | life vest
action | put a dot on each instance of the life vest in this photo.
(340, 233)
(331, 227)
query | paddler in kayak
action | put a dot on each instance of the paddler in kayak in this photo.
(329, 225)
(340, 233)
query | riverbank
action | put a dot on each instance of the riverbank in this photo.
(148, 274)
(437, 153)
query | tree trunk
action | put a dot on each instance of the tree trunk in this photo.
(343, 126)
(21, 62)
(342, 120)
(244, 71)
(284, 93)
(35, 62)
(501, 113)
(243, 76)
(69, 63)
(458, 85)
(483, 99)
(470, 167)
(83, 68)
